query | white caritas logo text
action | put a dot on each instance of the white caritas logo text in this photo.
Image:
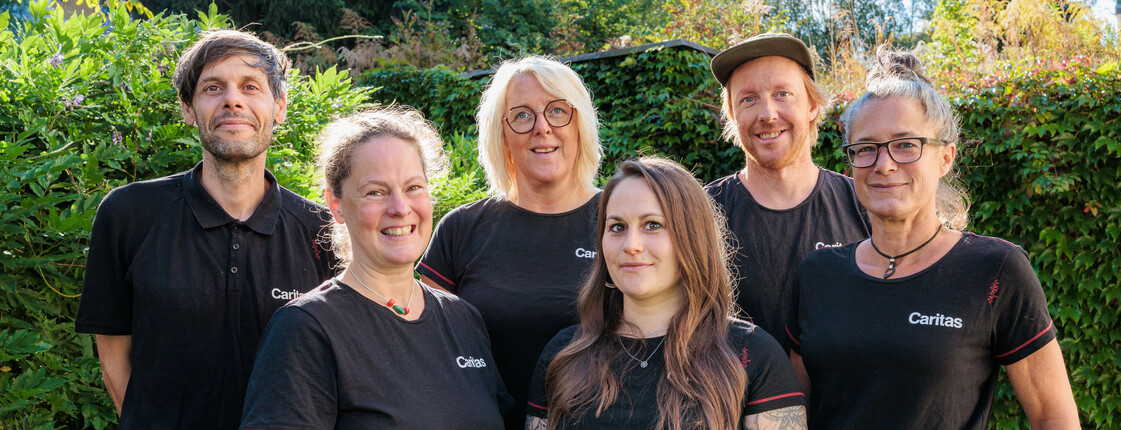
(470, 362)
(936, 319)
(285, 295)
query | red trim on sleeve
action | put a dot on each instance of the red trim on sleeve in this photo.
(773, 398)
(436, 273)
(1029, 340)
(537, 406)
(791, 336)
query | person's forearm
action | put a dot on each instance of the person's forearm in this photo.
(114, 353)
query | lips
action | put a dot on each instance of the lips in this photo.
(398, 231)
(769, 135)
(633, 266)
(544, 150)
(234, 120)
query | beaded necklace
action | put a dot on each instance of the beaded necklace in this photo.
(389, 303)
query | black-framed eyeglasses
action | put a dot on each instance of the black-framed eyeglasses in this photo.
(557, 113)
(902, 150)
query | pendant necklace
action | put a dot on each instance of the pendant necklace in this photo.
(389, 303)
(891, 260)
(641, 363)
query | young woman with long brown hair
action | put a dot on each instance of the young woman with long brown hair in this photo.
(657, 346)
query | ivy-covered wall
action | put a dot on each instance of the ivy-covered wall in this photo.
(1042, 166)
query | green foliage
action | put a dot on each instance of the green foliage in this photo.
(85, 106)
(1044, 175)
(1042, 171)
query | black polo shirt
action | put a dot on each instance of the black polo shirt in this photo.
(195, 288)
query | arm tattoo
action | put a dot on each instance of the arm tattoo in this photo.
(534, 423)
(788, 418)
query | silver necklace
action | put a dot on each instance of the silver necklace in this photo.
(641, 363)
(389, 302)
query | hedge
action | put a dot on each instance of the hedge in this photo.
(1042, 164)
(86, 105)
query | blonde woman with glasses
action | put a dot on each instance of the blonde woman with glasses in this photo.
(520, 255)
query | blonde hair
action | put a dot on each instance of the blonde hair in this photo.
(560, 81)
(818, 98)
(338, 141)
(900, 74)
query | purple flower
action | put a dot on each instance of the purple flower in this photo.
(56, 60)
(116, 137)
(162, 68)
(77, 100)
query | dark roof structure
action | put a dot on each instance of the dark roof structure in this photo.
(620, 52)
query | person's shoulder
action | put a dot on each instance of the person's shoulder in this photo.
(746, 336)
(559, 341)
(831, 254)
(721, 185)
(148, 193)
(132, 205)
(451, 304)
(988, 251)
(318, 299)
(303, 208)
(477, 209)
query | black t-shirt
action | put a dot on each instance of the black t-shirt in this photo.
(522, 270)
(769, 243)
(195, 288)
(920, 351)
(335, 359)
(771, 382)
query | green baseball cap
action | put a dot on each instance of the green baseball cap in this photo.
(761, 45)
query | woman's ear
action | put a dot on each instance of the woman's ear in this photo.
(333, 203)
(949, 154)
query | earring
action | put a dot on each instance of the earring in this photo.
(609, 285)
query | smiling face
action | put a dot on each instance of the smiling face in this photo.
(893, 191)
(545, 155)
(637, 246)
(772, 110)
(385, 204)
(234, 109)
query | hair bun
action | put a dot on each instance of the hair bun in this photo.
(891, 64)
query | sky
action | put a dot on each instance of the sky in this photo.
(1104, 9)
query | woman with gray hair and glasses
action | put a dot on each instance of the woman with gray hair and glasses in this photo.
(520, 255)
(908, 329)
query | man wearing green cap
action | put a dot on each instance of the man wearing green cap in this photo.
(780, 206)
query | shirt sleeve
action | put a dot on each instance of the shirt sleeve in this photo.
(294, 379)
(538, 403)
(1021, 322)
(439, 260)
(106, 303)
(771, 382)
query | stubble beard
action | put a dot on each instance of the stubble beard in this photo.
(789, 156)
(235, 152)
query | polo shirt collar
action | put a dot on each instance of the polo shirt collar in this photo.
(210, 214)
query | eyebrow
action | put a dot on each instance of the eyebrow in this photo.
(417, 178)
(894, 135)
(643, 216)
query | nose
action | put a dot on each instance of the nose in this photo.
(767, 111)
(232, 99)
(399, 205)
(633, 243)
(884, 163)
(540, 125)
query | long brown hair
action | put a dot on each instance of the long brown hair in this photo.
(703, 385)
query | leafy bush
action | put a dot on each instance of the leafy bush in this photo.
(1042, 171)
(85, 106)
